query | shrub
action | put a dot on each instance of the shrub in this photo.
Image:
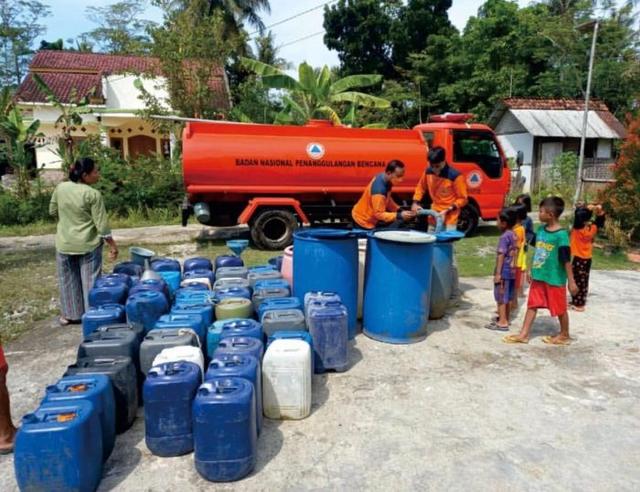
(21, 211)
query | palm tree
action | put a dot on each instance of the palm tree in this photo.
(235, 12)
(314, 94)
(267, 52)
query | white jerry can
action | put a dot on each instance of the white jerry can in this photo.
(286, 380)
(185, 353)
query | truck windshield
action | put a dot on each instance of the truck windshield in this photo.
(478, 147)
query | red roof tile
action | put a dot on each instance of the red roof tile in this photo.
(554, 104)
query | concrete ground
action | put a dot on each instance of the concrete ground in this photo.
(459, 411)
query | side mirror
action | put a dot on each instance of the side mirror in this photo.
(520, 158)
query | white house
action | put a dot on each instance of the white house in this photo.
(108, 81)
(544, 128)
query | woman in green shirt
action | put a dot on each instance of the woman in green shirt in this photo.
(82, 229)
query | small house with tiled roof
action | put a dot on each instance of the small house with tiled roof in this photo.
(544, 128)
(108, 82)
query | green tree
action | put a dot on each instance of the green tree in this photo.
(314, 94)
(120, 29)
(19, 27)
(236, 12)
(266, 51)
(57, 45)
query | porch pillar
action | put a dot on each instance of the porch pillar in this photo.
(104, 138)
(172, 144)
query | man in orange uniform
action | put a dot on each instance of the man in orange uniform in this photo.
(376, 208)
(445, 186)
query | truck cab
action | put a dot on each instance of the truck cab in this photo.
(472, 149)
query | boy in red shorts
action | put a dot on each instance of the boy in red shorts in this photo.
(7, 430)
(550, 271)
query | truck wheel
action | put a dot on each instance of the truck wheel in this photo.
(468, 220)
(273, 229)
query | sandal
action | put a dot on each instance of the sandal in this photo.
(62, 321)
(514, 339)
(496, 327)
(551, 340)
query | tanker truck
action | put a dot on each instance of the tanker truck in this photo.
(278, 178)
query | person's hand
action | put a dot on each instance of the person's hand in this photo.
(444, 213)
(573, 287)
(415, 207)
(113, 254)
(407, 215)
(497, 278)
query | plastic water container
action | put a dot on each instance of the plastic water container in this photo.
(240, 327)
(169, 391)
(202, 273)
(110, 292)
(172, 280)
(183, 353)
(136, 329)
(214, 335)
(441, 278)
(198, 282)
(99, 316)
(283, 320)
(95, 388)
(240, 366)
(261, 294)
(129, 268)
(239, 346)
(274, 283)
(198, 263)
(225, 283)
(278, 303)
(194, 286)
(225, 293)
(231, 272)
(179, 321)
(165, 265)
(286, 380)
(293, 335)
(146, 307)
(228, 261)
(225, 408)
(111, 343)
(205, 310)
(113, 277)
(59, 447)
(287, 265)
(258, 276)
(234, 307)
(262, 268)
(151, 284)
(158, 340)
(122, 373)
(188, 296)
(329, 328)
(275, 262)
(319, 299)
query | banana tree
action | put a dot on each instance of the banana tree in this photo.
(315, 94)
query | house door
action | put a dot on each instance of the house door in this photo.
(548, 152)
(141, 145)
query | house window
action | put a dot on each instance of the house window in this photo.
(117, 144)
(165, 147)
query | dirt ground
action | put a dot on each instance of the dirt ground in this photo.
(459, 411)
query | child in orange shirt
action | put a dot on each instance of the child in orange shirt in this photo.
(582, 236)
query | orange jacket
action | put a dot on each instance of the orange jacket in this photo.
(375, 204)
(448, 188)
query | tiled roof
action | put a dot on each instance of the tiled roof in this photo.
(554, 104)
(68, 73)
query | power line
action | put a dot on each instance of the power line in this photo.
(301, 39)
(294, 16)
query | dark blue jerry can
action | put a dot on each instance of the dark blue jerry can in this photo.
(240, 366)
(151, 284)
(227, 292)
(278, 303)
(329, 328)
(240, 346)
(240, 327)
(121, 372)
(228, 261)
(146, 307)
(103, 315)
(177, 321)
(59, 447)
(198, 263)
(165, 265)
(129, 268)
(205, 310)
(168, 392)
(95, 388)
(225, 408)
(109, 292)
(113, 277)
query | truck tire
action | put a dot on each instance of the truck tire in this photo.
(273, 229)
(468, 220)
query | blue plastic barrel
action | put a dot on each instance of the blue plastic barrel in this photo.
(327, 260)
(228, 261)
(240, 366)
(165, 265)
(441, 279)
(95, 388)
(197, 263)
(109, 292)
(129, 268)
(396, 286)
(225, 408)
(113, 277)
(240, 346)
(168, 392)
(100, 316)
(59, 447)
(146, 307)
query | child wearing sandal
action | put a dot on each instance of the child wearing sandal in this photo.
(550, 273)
(583, 234)
(504, 278)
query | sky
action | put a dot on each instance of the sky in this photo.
(68, 20)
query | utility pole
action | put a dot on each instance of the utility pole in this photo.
(585, 118)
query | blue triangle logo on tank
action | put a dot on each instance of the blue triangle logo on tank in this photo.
(315, 150)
